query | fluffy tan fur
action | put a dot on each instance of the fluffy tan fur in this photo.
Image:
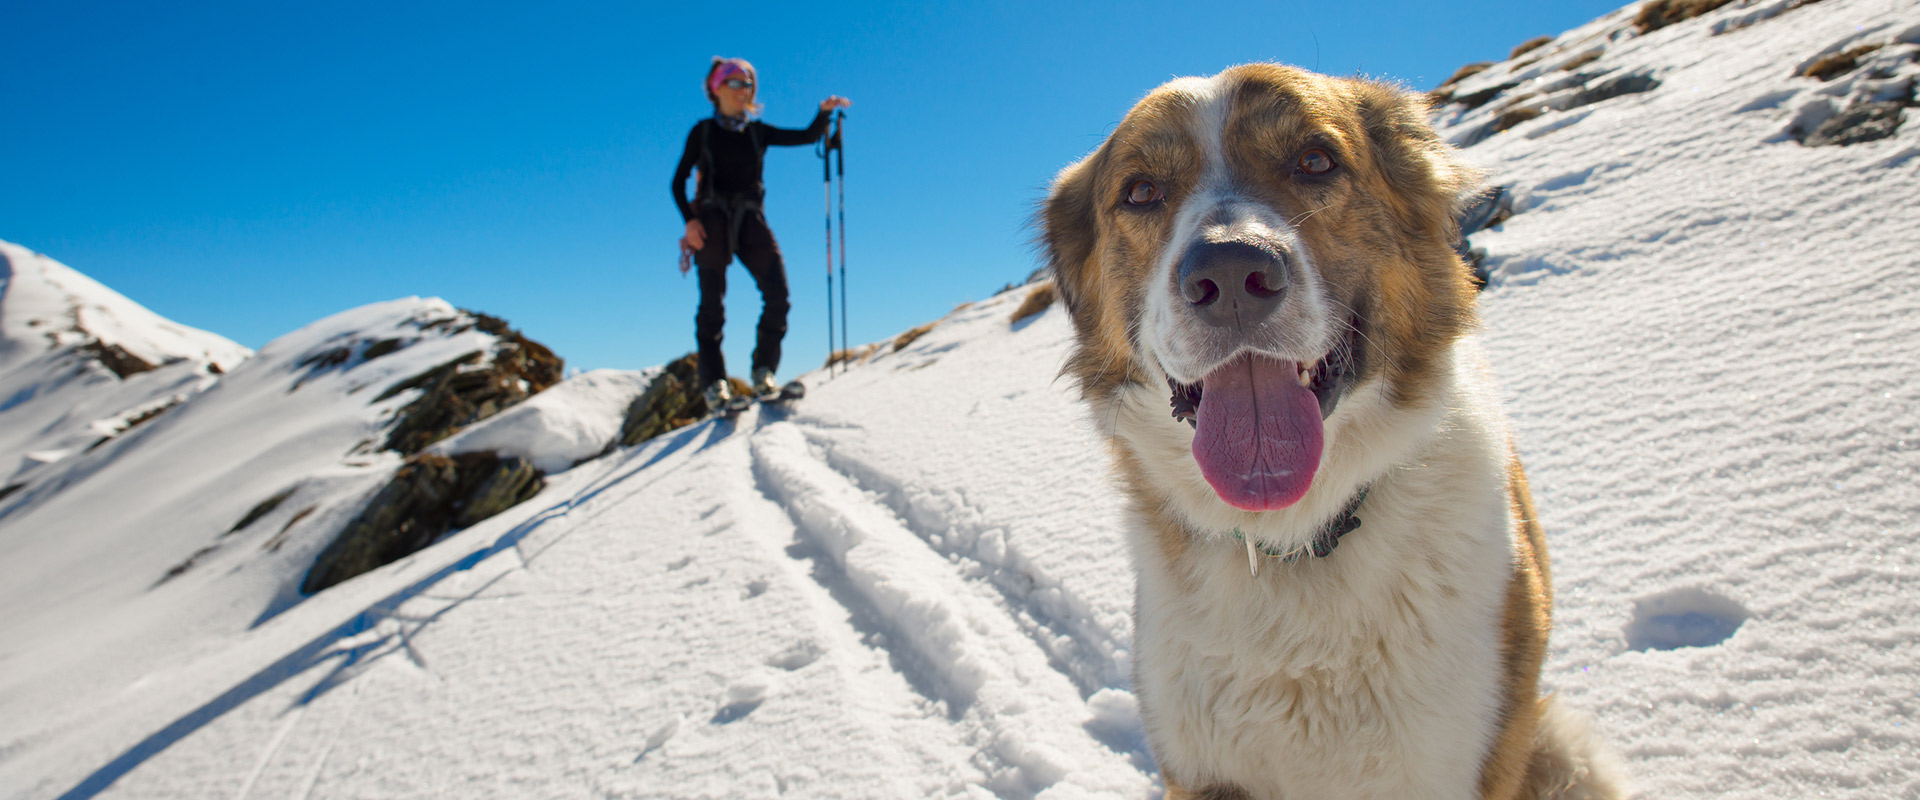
(1450, 525)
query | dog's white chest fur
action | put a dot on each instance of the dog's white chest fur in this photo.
(1373, 673)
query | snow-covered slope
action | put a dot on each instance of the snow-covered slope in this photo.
(911, 583)
(1709, 335)
(80, 364)
(559, 427)
(173, 540)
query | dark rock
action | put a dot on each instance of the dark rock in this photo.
(1464, 72)
(1508, 117)
(1532, 106)
(115, 358)
(672, 400)
(1582, 60)
(274, 544)
(470, 388)
(850, 356)
(1864, 122)
(264, 508)
(1039, 298)
(1657, 14)
(1834, 65)
(501, 485)
(181, 568)
(1529, 46)
(326, 359)
(381, 348)
(1613, 87)
(1517, 114)
(1481, 98)
(148, 415)
(912, 335)
(429, 495)
(1492, 207)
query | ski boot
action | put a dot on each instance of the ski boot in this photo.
(722, 403)
(770, 392)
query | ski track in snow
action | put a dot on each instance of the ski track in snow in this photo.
(1051, 615)
(965, 643)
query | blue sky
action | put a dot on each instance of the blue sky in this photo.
(248, 168)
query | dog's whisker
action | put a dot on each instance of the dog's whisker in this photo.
(1352, 314)
(1295, 222)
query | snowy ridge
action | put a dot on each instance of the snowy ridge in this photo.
(46, 305)
(65, 342)
(147, 539)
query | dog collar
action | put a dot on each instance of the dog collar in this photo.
(1323, 542)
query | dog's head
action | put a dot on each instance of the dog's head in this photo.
(1259, 245)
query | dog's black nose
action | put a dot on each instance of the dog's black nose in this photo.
(1232, 283)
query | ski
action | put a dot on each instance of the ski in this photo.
(794, 390)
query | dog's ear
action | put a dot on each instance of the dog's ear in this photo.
(1067, 229)
(1430, 182)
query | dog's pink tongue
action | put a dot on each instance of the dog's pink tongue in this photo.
(1257, 433)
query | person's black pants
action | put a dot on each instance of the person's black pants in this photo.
(761, 255)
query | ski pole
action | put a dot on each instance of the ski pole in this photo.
(840, 144)
(826, 193)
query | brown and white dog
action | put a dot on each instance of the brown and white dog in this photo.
(1269, 251)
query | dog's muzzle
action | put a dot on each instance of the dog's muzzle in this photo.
(1233, 285)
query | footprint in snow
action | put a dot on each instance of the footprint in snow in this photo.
(797, 655)
(755, 588)
(659, 737)
(745, 695)
(680, 565)
(1679, 618)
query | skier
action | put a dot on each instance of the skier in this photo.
(725, 220)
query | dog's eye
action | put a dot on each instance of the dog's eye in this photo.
(1314, 162)
(1143, 192)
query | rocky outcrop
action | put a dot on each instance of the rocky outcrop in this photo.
(262, 509)
(1529, 46)
(1870, 86)
(911, 335)
(672, 400)
(432, 494)
(115, 358)
(1863, 122)
(1834, 65)
(1657, 14)
(429, 496)
(1038, 299)
(469, 388)
(1564, 94)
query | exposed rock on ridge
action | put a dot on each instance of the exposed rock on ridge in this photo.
(429, 496)
(433, 494)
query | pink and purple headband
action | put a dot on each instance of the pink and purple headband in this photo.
(728, 67)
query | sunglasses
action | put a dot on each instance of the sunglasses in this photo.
(736, 83)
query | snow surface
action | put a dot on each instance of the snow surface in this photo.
(47, 312)
(912, 582)
(126, 561)
(559, 427)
